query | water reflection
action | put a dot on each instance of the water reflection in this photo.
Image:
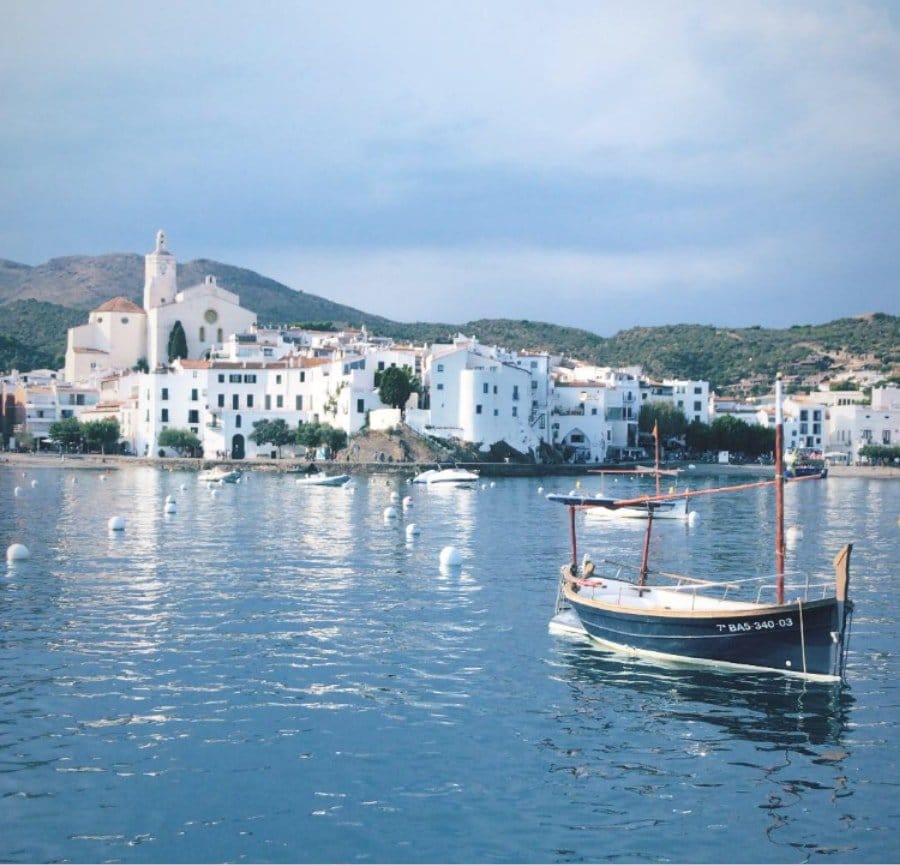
(769, 711)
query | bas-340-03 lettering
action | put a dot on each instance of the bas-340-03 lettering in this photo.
(762, 625)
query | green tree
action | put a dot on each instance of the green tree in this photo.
(68, 432)
(102, 435)
(182, 440)
(335, 439)
(177, 342)
(671, 420)
(274, 432)
(314, 435)
(395, 386)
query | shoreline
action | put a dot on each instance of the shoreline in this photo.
(95, 462)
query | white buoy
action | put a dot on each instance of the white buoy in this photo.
(170, 498)
(33, 484)
(390, 513)
(407, 502)
(17, 491)
(213, 493)
(450, 557)
(74, 480)
(493, 484)
(411, 530)
(183, 487)
(116, 524)
(17, 552)
(792, 535)
(170, 508)
(693, 518)
(691, 466)
(395, 496)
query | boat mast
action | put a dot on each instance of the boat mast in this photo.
(656, 439)
(645, 558)
(572, 539)
(779, 491)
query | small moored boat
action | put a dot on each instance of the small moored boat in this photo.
(220, 475)
(323, 480)
(446, 476)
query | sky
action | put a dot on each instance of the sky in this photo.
(595, 164)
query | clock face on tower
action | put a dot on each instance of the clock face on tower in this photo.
(211, 316)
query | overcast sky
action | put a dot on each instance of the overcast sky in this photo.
(596, 164)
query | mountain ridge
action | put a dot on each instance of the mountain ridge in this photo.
(38, 303)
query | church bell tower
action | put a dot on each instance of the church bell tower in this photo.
(160, 286)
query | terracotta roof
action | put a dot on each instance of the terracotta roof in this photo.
(119, 304)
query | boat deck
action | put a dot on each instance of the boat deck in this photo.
(619, 593)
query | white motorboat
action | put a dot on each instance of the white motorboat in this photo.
(220, 475)
(446, 476)
(322, 480)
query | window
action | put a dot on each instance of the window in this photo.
(221, 400)
(202, 333)
(594, 410)
(164, 417)
(440, 367)
(440, 385)
(193, 416)
(697, 405)
(278, 379)
(249, 400)
(477, 409)
(515, 391)
(485, 387)
(195, 395)
(380, 365)
(237, 421)
(219, 335)
(250, 378)
(534, 384)
(495, 388)
(496, 412)
(298, 402)
(534, 364)
(515, 410)
(360, 406)
(234, 378)
(268, 402)
(164, 394)
(302, 375)
(235, 401)
(221, 378)
(698, 389)
(125, 319)
(279, 401)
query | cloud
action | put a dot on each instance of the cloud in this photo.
(648, 144)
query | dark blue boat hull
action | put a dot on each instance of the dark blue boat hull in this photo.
(805, 639)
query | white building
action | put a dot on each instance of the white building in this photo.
(119, 334)
(482, 395)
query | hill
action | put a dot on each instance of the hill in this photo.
(38, 304)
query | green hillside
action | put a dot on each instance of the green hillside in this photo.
(38, 304)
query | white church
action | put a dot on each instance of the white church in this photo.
(120, 335)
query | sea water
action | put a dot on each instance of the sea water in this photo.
(274, 673)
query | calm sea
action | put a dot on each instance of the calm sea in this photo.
(274, 674)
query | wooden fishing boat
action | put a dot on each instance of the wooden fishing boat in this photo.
(803, 630)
